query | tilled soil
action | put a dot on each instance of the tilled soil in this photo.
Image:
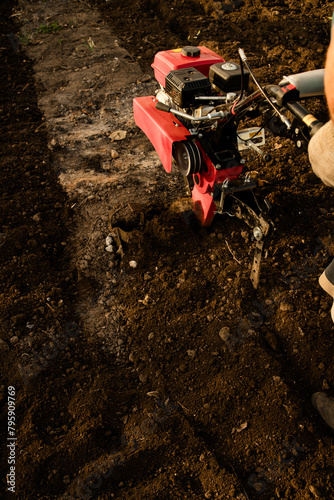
(162, 373)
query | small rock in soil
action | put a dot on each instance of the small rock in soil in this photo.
(325, 385)
(145, 300)
(118, 135)
(224, 333)
(315, 491)
(36, 217)
(285, 306)
(153, 394)
(242, 427)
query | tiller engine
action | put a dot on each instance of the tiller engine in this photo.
(193, 120)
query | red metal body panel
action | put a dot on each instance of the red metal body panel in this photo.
(160, 127)
(169, 60)
(207, 179)
(204, 206)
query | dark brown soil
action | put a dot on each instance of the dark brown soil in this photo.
(177, 412)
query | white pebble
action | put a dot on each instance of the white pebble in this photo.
(110, 248)
(133, 263)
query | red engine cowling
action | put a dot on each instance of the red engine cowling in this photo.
(170, 60)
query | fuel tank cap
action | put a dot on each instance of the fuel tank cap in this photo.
(190, 51)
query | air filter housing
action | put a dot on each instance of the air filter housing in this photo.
(226, 76)
(183, 85)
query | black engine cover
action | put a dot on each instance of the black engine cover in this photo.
(183, 85)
